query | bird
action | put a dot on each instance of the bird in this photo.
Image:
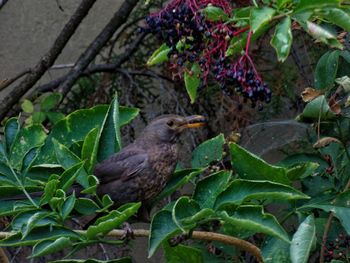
(140, 171)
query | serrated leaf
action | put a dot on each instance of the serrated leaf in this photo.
(208, 151)
(250, 166)
(282, 39)
(303, 240)
(260, 17)
(326, 69)
(241, 190)
(192, 81)
(113, 220)
(254, 219)
(162, 228)
(50, 101)
(159, 56)
(27, 106)
(208, 189)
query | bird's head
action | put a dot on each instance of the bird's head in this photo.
(167, 128)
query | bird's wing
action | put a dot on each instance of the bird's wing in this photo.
(122, 166)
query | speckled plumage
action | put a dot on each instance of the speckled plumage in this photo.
(140, 171)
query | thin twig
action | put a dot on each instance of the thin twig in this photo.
(7, 82)
(47, 60)
(199, 235)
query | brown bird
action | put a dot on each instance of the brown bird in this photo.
(141, 170)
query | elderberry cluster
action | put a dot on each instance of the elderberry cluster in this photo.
(338, 248)
(179, 23)
(242, 79)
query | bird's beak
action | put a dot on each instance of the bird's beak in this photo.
(194, 121)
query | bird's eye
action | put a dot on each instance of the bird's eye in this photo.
(170, 123)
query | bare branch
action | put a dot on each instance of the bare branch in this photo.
(100, 41)
(2, 3)
(7, 82)
(47, 60)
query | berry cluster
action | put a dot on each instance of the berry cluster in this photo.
(193, 38)
(338, 248)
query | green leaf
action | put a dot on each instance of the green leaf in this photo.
(159, 56)
(75, 126)
(86, 206)
(120, 260)
(192, 81)
(253, 218)
(50, 101)
(326, 69)
(303, 241)
(305, 5)
(337, 16)
(54, 117)
(69, 176)
(29, 159)
(182, 253)
(340, 207)
(31, 221)
(260, 17)
(213, 13)
(47, 247)
(250, 166)
(14, 207)
(241, 190)
(208, 189)
(162, 228)
(68, 206)
(282, 39)
(113, 220)
(65, 157)
(38, 117)
(322, 34)
(317, 109)
(275, 250)
(186, 213)
(39, 234)
(11, 131)
(49, 190)
(177, 180)
(27, 106)
(27, 139)
(302, 170)
(110, 138)
(208, 151)
(90, 148)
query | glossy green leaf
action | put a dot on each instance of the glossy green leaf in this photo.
(214, 13)
(50, 101)
(302, 170)
(253, 218)
(260, 17)
(14, 207)
(337, 16)
(27, 106)
(186, 213)
(192, 81)
(182, 253)
(159, 56)
(162, 228)
(250, 166)
(90, 148)
(208, 151)
(177, 180)
(47, 247)
(323, 34)
(39, 234)
(68, 206)
(86, 206)
(65, 157)
(303, 241)
(275, 250)
(113, 220)
(74, 127)
(49, 190)
(305, 5)
(282, 39)
(11, 131)
(326, 69)
(110, 138)
(340, 207)
(29, 159)
(69, 176)
(317, 109)
(208, 189)
(241, 190)
(31, 221)
(27, 139)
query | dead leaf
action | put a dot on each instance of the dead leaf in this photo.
(334, 105)
(309, 94)
(325, 141)
(234, 137)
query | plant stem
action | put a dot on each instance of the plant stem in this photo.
(255, 3)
